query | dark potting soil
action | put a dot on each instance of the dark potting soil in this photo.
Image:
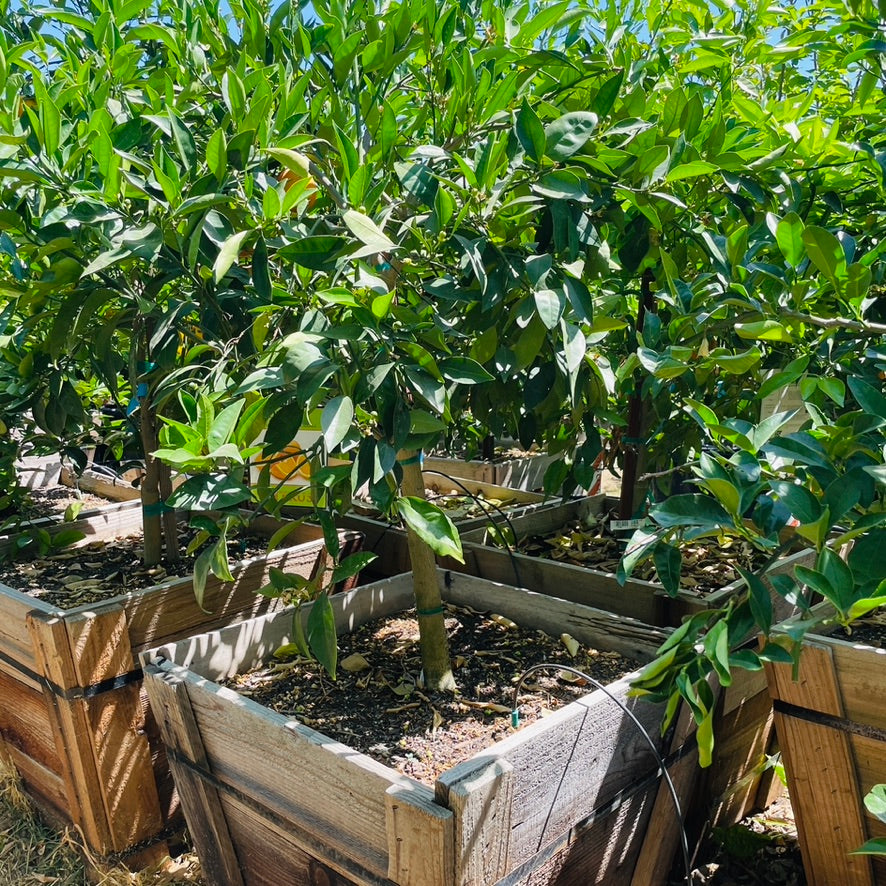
(104, 568)
(53, 501)
(869, 631)
(708, 565)
(377, 706)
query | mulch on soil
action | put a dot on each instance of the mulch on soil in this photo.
(708, 564)
(52, 501)
(102, 569)
(378, 706)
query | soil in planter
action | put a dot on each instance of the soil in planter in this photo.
(376, 705)
(105, 568)
(708, 565)
(869, 631)
(53, 501)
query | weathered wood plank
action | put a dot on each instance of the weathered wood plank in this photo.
(223, 653)
(825, 797)
(481, 801)
(15, 639)
(567, 764)
(114, 488)
(45, 786)
(588, 625)
(208, 826)
(162, 613)
(100, 651)
(420, 839)
(862, 688)
(72, 732)
(301, 775)
(817, 688)
(275, 855)
(516, 473)
(25, 722)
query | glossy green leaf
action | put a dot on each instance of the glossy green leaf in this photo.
(789, 236)
(336, 421)
(568, 134)
(531, 133)
(431, 525)
(320, 633)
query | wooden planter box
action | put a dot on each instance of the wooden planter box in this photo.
(831, 725)
(640, 599)
(567, 799)
(389, 541)
(72, 716)
(735, 782)
(526, 473)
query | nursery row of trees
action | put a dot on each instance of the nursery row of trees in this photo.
(609, 230)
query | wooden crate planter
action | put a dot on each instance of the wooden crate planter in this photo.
(389, 541)
(268, 800)
(72, 716)
(831, 726)
(527, 472)
(108, 485)
(729, 789)
(640, 599)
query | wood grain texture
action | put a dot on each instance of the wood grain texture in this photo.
(72, 732)
(826, 801)
(203, 810)
(313, 783)
(420, 839)
(481, 800)
(25, 722)
(516, 473)
(816, 688)
(862, 686)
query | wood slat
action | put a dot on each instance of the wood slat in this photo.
(816, 688)
(587, 624)
(72, 732)
(25, 722)
(100, 651)
(863, 689)
(43, 784)
(300, 775)
(420, 839)
(481, 800)
(203, 810)
(825, 797)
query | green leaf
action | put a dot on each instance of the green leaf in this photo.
(321, 633)
(759, 599)
(875, 802)
(825, 252)
(549, 305)
(201, 574)
(668, 561)
(316, 253)
(716, 646)
(868, 397)
(568, 134)
(336, 420)
(352, 565)
(228, 254)
(367, 231)
(875, 846)
(431, 525)
(463, 370)
(789, 236)
(690, 510)
(799, 500)
(764, 330)
(704, 738)
(530, 133)
(209, 492)
(223, 425)
(691, 170)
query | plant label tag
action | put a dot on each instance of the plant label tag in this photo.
(621, 525)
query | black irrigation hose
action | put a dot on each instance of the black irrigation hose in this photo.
(515, 720)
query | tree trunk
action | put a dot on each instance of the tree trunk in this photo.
(170, 523)
(436, 664)
(150, 488)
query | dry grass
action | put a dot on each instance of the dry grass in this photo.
(32, 854)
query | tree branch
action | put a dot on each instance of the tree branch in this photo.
(861, 328)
